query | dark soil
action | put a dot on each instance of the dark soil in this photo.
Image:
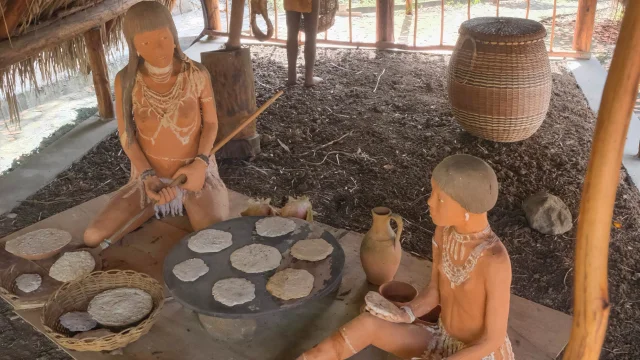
(391, 139)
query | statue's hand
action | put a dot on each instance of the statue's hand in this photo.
(401, 318)
(157, 191)
(195, 173)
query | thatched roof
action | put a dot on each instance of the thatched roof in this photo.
(20, 17)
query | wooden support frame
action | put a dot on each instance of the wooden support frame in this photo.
(585, 21)
(30, 44)
(384, 21)
(99, 70)
(590, 295)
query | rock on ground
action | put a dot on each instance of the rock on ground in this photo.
(547, 214)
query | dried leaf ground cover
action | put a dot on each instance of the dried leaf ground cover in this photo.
(351, 147)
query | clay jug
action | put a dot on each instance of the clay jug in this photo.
(380, 251)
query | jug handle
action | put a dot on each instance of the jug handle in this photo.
(398, 219)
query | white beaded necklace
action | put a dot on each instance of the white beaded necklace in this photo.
(453, 246)
(159, 75)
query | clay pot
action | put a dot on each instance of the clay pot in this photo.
(398, 292)
(380, 251)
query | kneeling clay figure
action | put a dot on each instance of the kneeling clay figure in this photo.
(470, 280)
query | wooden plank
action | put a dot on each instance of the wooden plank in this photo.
(99, 72)
(585, 21)
(29, 45)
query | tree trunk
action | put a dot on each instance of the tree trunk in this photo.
(233, 87)
(99, 71)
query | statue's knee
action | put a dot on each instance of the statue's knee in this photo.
(93, 236)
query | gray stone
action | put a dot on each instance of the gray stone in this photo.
(547, 214)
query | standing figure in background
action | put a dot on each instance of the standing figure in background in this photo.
(167, 124)
(470, 280)
(295, 10)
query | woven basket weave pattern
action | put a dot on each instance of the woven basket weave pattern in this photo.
(76, 295)
(499, 91)
(327, 15)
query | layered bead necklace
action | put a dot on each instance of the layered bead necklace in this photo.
(159, 75)
(453, 247)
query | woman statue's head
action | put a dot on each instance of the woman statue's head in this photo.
(462, 185)
(151, 37)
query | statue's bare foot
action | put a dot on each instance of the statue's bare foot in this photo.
(314, 81)
(293, 80)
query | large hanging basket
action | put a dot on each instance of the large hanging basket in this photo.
(327, 13)
(499, 78)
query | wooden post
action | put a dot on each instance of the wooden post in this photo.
(384, 21)
(213, 15)
(99, 71)
(590, 295)
(408, 7)
(585, 20)
(233, 85)
(235, 26)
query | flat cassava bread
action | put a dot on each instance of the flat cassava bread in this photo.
(311, 249)
(72, 265)
(38, 242)
(78, 321)
(290, 284)
(190, 270)
(210, 240)
(274, 226)
(256, 258)
(382, 306)
(121, 306)
(28, 282)
(234, 291)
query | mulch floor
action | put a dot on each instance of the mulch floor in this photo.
(370, 135)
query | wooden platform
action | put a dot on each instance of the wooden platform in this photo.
(537, 332)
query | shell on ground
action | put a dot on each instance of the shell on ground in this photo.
(274, 226)
(311, 249)
(210, 240)
(72, 265)
(290, 284)
(121, 306)
(256, 258)
(234, 291)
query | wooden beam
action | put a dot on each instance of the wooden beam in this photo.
(31, 44)
(384, 21)
(99, 70)
(11, 16)
(591, 304)
(585, 21)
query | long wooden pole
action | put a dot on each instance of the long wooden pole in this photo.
(60, 31)
(235, 25)
(99, 72)
(585, 21)
(591, 298)
(553, 25)
(384, 21)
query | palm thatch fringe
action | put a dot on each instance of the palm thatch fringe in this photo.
(69, 58)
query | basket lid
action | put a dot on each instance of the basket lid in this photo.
(503, 29)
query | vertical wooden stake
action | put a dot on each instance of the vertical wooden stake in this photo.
(553, 25)
(226, 13)
(590, 290)
(350, 24)
(213, 14)
(497, 8)
(384, 21)
(468, 9)
(442, 23)
(235, 26)
(415, 25)
(528, 8)
(98, 62)
(407, 6)
(585, 20)
(275, 17)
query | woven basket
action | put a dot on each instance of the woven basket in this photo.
(327, 15)
(499, 78)
(76, 295)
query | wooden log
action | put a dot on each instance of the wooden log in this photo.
(235, 25)
(585, 21)
(11, 17)
(233, 87)
(212, 15)
(384, 21)
(591, 304)
(99, 70)
(31, 44)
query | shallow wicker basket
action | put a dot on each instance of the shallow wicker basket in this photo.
(499, 78)
(76, 295)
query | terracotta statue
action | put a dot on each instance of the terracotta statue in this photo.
(310, 10)
(167, 124)
(470, 280)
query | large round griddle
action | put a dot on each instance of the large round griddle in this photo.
(197, 296)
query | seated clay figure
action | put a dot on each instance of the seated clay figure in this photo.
(167, 124)
(470, 280)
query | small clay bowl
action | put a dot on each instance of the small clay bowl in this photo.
(398, 292)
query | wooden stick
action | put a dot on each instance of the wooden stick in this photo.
(591, 298)
(442, 23)
(181, 179)
(275, 18)
(468, 9)
(497, 8)
(415, 25)
(528, 7)
(350, 24)
(60, 31)
(553, 25)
